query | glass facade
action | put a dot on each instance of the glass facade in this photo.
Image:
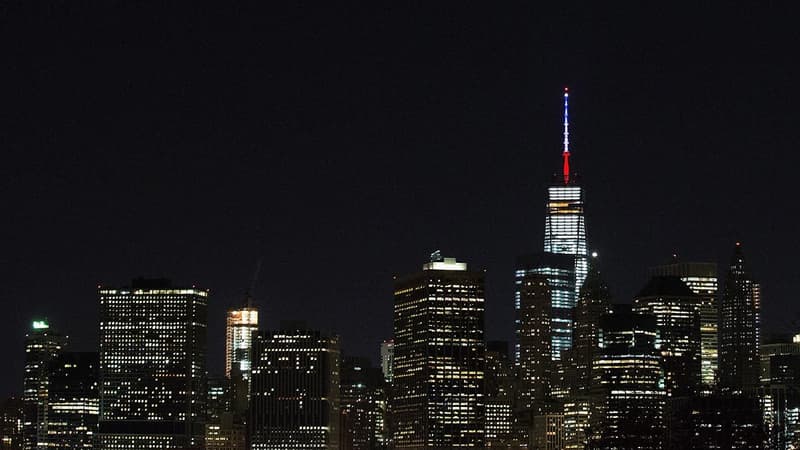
(677, 312)
(565, 230)
(701, 278)
(559, 271)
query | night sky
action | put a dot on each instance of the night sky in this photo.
(344, 144)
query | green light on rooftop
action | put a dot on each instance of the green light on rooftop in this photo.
(40, 325)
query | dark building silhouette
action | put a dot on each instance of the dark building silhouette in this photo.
(11, 419)
(42, 344)
(363, 406)
(725, 422)
(628, 411)
(677, 312)
(779, 392)
(502, 429)
(701, 278)
(226, 406)
(739, 328)
(438, 371)
(593, 303)
(152, 366)
(73, 402)
(559, 269)
(294, 389)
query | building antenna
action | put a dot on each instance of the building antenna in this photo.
(566, 136)
(252, 290)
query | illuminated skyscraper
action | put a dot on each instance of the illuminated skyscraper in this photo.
(42, 344)
(152, 366)
(739, 328)
(677, 312)
(438, 397)
(628, 383)
(73, 402)
(702, 280)
(241, 328)
(533, 337)
(565, 225)
(294, 391)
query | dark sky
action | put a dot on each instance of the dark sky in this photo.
(344, 144)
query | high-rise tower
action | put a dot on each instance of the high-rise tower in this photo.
(73, 402)
(240, 330)
(565, 226)
(701, 278)
(438, 399)
(594, 302)
(627, 383)
(739, 327)
(295, 389)
(677, 312)
(42, 344)
(152, 366)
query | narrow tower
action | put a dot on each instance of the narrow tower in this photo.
(739, 327)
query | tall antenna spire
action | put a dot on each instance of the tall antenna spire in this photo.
(248, 297)
(566, 136)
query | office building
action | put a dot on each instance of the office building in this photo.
(241, 327)
(677, 312)
(628, 383)
(534, 344)
(593, 303)
(73, 402)
(548, 432)
(739, 327)
(12, 415)
(387, 358)
(501, 387)
(42, 344)
(577, 421)
(725, 422)
(779, 393)
(152, 366)
(558, 269)
(294, 389)
(226, 433)
(701, 278)
(226, 407)
(438, 399)
(363, 406)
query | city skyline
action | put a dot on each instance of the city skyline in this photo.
(376, 172)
